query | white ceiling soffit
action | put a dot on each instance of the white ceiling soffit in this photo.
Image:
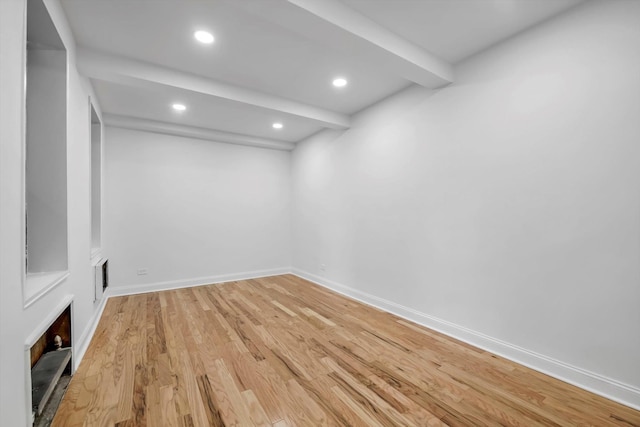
(381, 46)
(154, 102)
(194, 132)
(136, 73)
(273, 61)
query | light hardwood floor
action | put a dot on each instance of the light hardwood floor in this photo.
(281, 351)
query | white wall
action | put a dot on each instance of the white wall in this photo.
(16, 322)
(507, 203)
(192, 211)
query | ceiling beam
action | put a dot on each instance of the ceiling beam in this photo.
(127, 122)
(131, 72)
(381, 45)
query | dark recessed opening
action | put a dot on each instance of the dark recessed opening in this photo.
(50, 359)
(105, 275)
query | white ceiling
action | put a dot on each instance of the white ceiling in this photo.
(273, 60)
(456, 29)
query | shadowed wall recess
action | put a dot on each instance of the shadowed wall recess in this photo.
(46, 152)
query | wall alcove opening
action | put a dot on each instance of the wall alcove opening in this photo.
(46, 251)
(50, 358)
(96, 180)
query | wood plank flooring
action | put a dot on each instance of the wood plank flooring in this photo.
(281, 351)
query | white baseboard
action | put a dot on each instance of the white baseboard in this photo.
(82, 343)
(595, 383)
(116, 290)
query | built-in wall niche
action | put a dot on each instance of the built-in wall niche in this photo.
(50, 357)
(96, 180)
(46, 154)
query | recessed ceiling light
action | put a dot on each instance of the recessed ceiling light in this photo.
(179, 107)
(204, 37)
(277, 125)
(339, 82)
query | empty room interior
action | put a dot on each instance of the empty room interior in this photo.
(319, 212)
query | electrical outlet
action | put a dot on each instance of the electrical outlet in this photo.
(323, 267)
(142, 271)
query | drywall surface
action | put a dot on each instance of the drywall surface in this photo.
(507, 203)
(17, 323)
(12, 364)
(46, 157)
(191, 210)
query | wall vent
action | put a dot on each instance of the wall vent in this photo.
(101, 278)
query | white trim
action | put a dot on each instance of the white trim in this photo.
(43, 283)
(29, 399)
(115, 290)
(47, 321)
(96, 256)
(82, 344)
(607, 387)
(23, 207)
(23, 169)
